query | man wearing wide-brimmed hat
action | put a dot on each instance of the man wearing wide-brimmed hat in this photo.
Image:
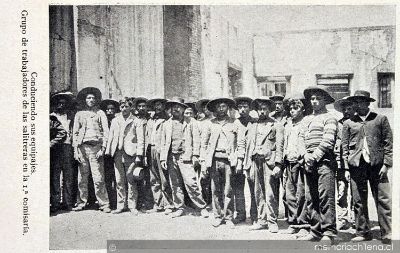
(367, 144)
(204, 117)
(110, 107)
(298, 215)
(263, 151)
(343, 195)
(159, 179)
(62, 154)
(90, 133)
(244, 105)
(180, 149)
(318, 135)
(218, 152)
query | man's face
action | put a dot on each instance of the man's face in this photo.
(263, 110)
(221, 109)
(90, 100)
(362, 107)
(158, 107)
(244, 109)
(348, 110)
(279, 106)
(61, 105)
(206, 111)
(141, 107)
(317, 102)
(189, 113)
(110, 110)
(177, 110)
(296, 111)
(125, 109)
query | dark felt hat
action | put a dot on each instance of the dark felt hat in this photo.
(243, 98)
(362, 94)
(212, 103)
(153, 101)
(320, 91)
(277, 97)
(192, 105)
(138, 100)
(263, 99)
(338, 105)
(82, 94)
(68, 96)
(106, 102)
(201, 103)
(176, 100)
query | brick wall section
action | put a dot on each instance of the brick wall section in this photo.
(182, 52)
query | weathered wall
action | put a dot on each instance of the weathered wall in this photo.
(62, 49)
(224, 45)
(120, 50)
(182, 52)
(362, 52)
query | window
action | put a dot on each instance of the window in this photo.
(338, 85)
(385, 82)
(272, 85)
(235, 82)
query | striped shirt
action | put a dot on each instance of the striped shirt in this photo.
(319, 134)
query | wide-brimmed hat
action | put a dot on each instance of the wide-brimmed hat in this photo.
(263, 99)
(243, 98)
(153, 101)
(340, 103)
(134, 173)
(82, 94)
(212, 103)
(362, 94)
(201, 103)
(174, 101)
(68, 96)
(138, 100)
(318, 90)
(106, 102)
(277, 97)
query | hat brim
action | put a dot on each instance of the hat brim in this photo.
(362, 98)
(68, 97)
(138, 100)
(201, 103)
(169, 104)
(82, 94)
(270, 103)
(152, 102)
(106, 102)
(277, 98)
(211, 104)
(327, 97)
(339, 104)
(239, 100)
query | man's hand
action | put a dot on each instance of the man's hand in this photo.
(276, 172)
(195, 161)
(100, 153)
(239, 167)
(78, 155)
(383, 171)
(347, 175)
(247, 172)
(309, 160)
(138, 159)
(164, 165)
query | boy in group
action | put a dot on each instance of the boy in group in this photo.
(180, 147)
(264, 155)
(90, 134)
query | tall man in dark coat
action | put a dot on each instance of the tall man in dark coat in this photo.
(367, 151)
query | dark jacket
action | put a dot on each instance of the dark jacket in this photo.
(379, 139)
(57, 131)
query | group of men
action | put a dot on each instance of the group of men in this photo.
(200, 155)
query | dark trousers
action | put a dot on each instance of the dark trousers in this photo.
(205, 184)
(238, 181)
(221, 188)
(145, 199)
(253, 203)
(380, 189)
(159, 181)
(109, 177)
(296, 195)
(321, 184)
(61, 161)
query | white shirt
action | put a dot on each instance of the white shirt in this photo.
(365, 150)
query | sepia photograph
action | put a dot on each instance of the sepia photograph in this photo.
(221, 122)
